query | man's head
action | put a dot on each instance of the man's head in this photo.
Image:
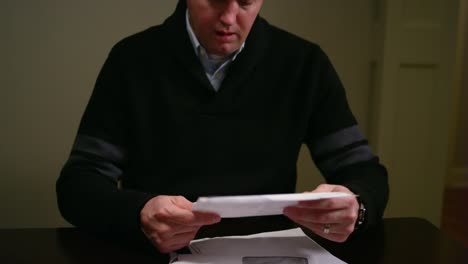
(222, 26)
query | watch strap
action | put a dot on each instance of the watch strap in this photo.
(361, 218)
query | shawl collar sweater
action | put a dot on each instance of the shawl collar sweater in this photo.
(155, 124)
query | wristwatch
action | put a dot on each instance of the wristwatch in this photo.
(361, 215)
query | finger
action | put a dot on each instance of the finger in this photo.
(333, 228)
(176, 242)
(308, 215)
(177, 246)
(331, 188)
(161, 231)
(324, 188)
(183, 238)
(167, 231)
(168, 241)
(207, 218)
(181, 202)
(331, 235)
(329, 204)
(163, 248)
(193, 218)
(179, 239)
(181, 216)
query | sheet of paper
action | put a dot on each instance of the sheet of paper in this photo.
(289, 246)
(257, 205)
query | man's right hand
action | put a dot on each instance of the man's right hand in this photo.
(170, 223)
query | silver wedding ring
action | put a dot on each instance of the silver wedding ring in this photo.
(326, 228)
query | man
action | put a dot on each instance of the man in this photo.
(215, 101)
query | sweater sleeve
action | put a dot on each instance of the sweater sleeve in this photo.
(87, 191)
(339, 148)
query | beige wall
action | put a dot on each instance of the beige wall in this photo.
(51, 52)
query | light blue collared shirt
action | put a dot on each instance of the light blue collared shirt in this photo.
(215, 66)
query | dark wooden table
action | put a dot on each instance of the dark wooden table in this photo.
(397, 240)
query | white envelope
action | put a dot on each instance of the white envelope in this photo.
(280, 247)
(257, 205)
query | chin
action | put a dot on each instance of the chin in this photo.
(225, 51)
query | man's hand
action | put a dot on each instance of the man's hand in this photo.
(170, 224)
(333, 219)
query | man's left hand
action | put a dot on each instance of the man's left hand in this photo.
(333, 219)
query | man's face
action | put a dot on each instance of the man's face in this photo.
(222, 26)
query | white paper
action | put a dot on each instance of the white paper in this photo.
(257, 205)
(288, 246)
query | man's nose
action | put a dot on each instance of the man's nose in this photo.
(229, 13)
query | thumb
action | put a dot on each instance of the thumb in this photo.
(324, 188)
(199, 218)
(181, 202)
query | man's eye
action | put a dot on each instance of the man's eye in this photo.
(245, 3)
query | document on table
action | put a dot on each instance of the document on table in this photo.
(257, 205)
(281, 247)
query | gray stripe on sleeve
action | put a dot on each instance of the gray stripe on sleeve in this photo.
(354, 155)
(336, 141)
(99, 155)
(99, 147)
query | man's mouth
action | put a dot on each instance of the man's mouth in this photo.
(224, 33)
(225, 36)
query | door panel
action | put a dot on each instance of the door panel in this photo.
(415, 92)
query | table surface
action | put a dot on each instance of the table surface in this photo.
(397, 240)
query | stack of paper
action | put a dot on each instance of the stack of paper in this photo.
(281, 247)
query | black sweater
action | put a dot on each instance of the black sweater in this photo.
(155, 124)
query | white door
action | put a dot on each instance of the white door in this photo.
(415, 57)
